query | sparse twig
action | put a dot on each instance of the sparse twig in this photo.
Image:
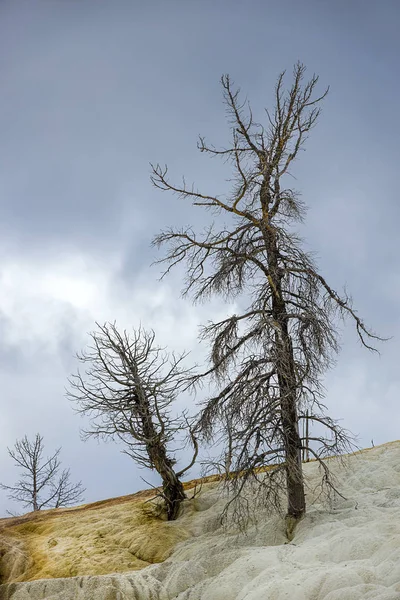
(128, 389)
(41, 484)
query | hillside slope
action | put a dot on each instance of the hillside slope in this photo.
(348, 551)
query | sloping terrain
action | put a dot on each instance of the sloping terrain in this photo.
(115, 535)
(349, 550)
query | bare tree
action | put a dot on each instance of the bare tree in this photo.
(128, 390)
(267, 362)
(42, 485)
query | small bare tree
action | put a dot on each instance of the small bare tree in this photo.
(267, 361)
(42, 485)
(128, 390)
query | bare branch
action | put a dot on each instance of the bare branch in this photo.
(40, 485)
(128, 390)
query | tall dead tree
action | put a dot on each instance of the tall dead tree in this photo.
(268, 360)
(128, 390)
(41, 485)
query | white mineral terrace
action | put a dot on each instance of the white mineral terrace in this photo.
(347, 551)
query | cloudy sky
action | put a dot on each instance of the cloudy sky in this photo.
(91, 91)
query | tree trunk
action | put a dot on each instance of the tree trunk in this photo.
(34, 494)
(294, 470)
(173, 492)
(287, 385)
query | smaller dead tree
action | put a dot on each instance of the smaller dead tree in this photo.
(128, 390)
(41, 485)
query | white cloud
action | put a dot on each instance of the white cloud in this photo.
(47, 308)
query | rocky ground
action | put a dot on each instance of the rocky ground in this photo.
(121, 549)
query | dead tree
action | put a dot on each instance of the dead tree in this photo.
(128, 390)
(41, 484)
(268, 360)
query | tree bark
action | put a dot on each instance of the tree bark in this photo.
(287, 384)
(173, 492)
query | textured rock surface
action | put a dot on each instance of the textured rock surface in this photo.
(105, 587)
(118, 535)
(350, 551)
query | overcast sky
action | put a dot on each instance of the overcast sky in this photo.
(91, 91)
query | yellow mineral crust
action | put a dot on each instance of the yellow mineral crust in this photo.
(116, 535)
